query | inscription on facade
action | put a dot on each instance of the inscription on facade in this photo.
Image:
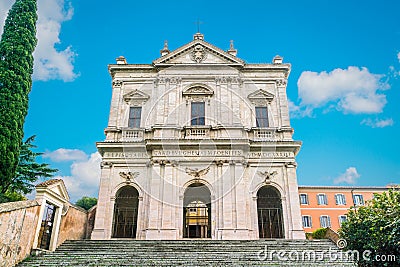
(197, 153)
(271, 155)
(142, 155)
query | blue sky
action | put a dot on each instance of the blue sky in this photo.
(343, 88)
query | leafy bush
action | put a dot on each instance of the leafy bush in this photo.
(86, 202)
(375, 228)
(319, 233)
(308, 235)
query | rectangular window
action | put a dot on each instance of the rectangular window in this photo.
(134, 117)
(262, 117)
(198, 113)
(322, 200)
(325, 221)
(340, 199)
(342, 218)
(303, 199)
(307, 223)
(358, 200)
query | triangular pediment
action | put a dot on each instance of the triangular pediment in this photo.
(136, 96)
(260, 97)
(60, 190)
(55, 186)
(198, 52)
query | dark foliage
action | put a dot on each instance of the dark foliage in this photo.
(16, 67)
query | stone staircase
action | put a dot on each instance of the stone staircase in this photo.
(280, 252)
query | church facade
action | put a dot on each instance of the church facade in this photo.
(198, 145)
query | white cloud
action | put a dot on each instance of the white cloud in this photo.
(84, 178)
(63, 154)
(349, 177)
(378, 123)
(50, 63)
(352, 90)
(393, 72)
(398, 56)
(298, 111)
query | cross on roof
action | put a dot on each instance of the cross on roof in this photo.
(198, 22)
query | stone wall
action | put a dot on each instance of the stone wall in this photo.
(332, 235)
(18, 220)
(91, 217)
(73, 225)
(18, 223)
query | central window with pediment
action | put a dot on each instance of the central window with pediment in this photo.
(197, 113)
(196, 96)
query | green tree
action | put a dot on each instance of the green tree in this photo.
(27, 173)
(86, 202)
(11, 197)
(375, 228)
(16, 67)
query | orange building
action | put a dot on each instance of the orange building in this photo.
(327, 206)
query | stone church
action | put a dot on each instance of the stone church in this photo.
(198, 145)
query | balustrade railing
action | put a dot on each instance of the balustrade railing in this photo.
(132, 135)
(266, 135)
(197, 133)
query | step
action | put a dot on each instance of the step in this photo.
(184, 253)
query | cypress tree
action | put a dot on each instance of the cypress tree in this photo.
(16, 67)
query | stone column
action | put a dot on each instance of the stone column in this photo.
(154, 216)
(158, 104)
(227, 202)
(254, 217)
(219, 200)
(233, 170)
(230, 103)
(242, 205)
(109, 219)
(294, 203)
(99, 230)
(217, 100)
(165, 107)
(140, 219)
(146, 199)
(168, 230)
(283, 104)
(115, 104)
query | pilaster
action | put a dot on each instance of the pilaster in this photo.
(99, 230)
(297, 231)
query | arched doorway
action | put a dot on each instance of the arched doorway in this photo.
(197, 212)
(269, 211)
(125, 212)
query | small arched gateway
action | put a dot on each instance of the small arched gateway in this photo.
(125, 212)
(269, 212)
